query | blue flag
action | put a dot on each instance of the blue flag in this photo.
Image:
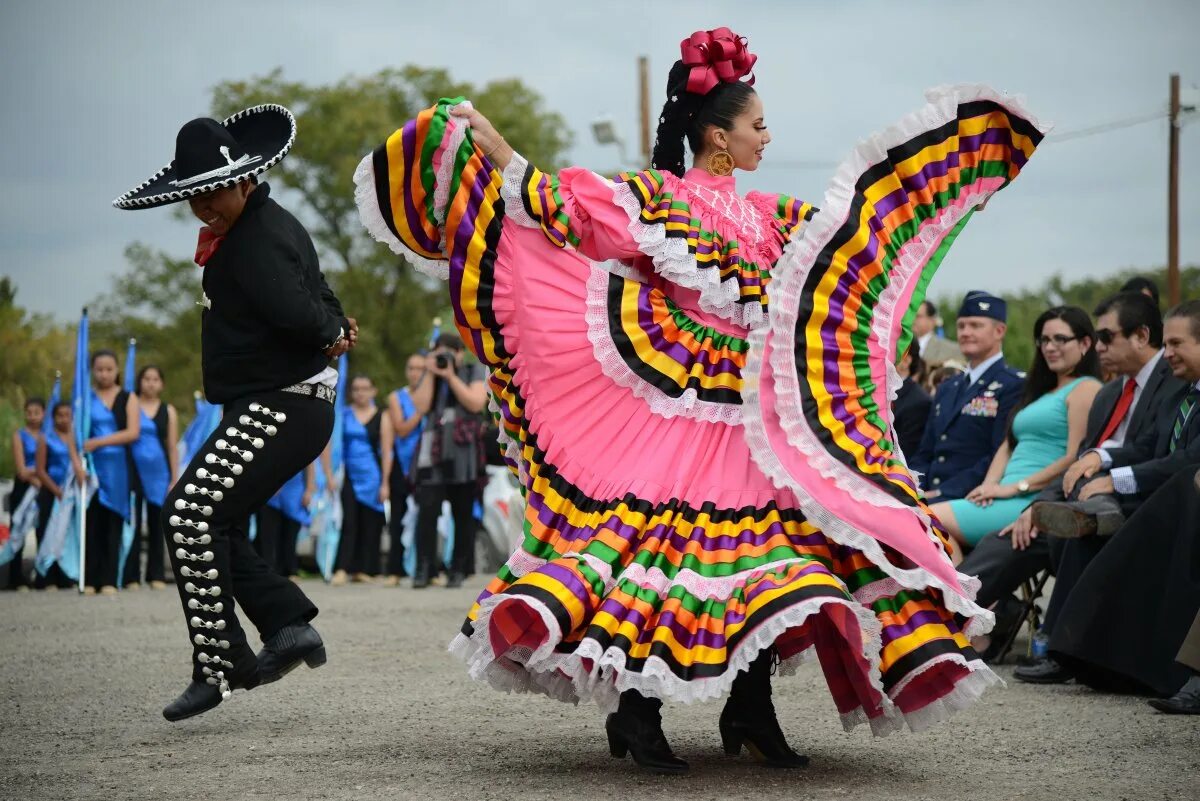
(55, 396)
(208, 417)
(330, 535)
(128, 532)
(130, 369)
(70, 556)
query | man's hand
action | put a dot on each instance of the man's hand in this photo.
(352, 334)
(1022, 530)
(1097, 486)
(1085, 466)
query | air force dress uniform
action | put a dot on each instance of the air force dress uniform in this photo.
(969, 419)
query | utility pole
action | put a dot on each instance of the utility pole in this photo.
(644, 94)
(1173, 288)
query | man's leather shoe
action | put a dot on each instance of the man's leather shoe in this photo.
(1063, 520)
(1043, 671)
(1184, 702)
(201, 696)
(287, 648)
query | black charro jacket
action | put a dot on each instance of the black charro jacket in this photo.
(269, 314)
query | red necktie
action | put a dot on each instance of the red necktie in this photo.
(207, 245)
(1118, 412)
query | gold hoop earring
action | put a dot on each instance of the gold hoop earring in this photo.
(720, 163)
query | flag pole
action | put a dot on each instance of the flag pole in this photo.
(82, 381)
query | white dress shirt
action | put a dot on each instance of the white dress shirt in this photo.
(976, 373)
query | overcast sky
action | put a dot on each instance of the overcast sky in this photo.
(94, 91)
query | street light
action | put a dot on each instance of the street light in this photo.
(604, 131)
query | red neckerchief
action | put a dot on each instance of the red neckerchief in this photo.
(207, 245)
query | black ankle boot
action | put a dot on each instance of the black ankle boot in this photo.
(636, 728)
(287, 648)
(749, 718)
(219, 682)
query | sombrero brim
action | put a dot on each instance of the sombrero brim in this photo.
(265, 133)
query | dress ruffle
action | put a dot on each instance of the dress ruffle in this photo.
(658, 554)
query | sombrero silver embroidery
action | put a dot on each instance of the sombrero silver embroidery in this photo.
(210, 155)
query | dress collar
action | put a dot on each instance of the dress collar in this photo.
(720, 183)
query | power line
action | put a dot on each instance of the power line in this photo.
(1105, 127)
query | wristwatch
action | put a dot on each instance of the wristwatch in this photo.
(1022, 486)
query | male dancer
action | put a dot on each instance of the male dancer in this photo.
(270, 327)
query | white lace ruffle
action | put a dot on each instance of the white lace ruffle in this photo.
(790, 275)
(675, 262)
(613, 364)
(512, 191)
(372, 219)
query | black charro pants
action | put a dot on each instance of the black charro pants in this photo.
(261, 442)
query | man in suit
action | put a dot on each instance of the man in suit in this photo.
(934, 350)
(1129, 342)
(970, 411)
(1130, 473)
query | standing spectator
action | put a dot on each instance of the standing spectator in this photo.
(1045, 432)
(407, 423)
(57, 460)
(367, 451)
(1143, 285)
(451, 395)
(935, 350)
(115, 422)
(25, 444)
(970, 411)
(279, 522)
(155, 455)
(910, 410)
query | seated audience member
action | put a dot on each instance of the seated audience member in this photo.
(1152, 554)
(1143, 285)
(910, 410)
(1129, 345)
(1044, 433)
(935, 350)
(970, 411)
(1186, 701)
(940, 375)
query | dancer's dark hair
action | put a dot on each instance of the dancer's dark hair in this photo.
(689, 115)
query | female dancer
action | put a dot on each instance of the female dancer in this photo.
(25, 443)
(695, 395)
(115, 421)
(367, 450)
(271, 325)
(57, 458)
(1045, 430)
(155, 459)
(407, 424)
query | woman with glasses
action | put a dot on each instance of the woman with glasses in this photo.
(1044, 432)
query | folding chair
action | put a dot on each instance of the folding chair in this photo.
(1031, 614)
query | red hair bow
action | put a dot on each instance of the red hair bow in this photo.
(715, 56)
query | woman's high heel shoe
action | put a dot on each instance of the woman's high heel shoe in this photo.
(636, 729)
(749, 719)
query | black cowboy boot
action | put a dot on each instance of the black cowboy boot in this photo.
(636, 728)
(218, 683)
(287, 648)
(749, 718)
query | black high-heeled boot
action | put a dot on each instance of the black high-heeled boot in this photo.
(636, 728)
(749, 718)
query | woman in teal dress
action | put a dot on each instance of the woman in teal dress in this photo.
(1045, 431)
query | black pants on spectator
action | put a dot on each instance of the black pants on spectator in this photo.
(362, 535)
(399, 507)
(143, 510)
(429, 498)
(215, 566)
(16, 568)
(276, 540)
(103, 545)
(1001, 569)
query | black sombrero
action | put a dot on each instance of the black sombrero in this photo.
(211, 154)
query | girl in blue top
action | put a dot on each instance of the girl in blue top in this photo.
(1045, 430)
(156, 466)
(115, 422)
(367, 455)
(407, 424)
(24, 446)
(57, 461)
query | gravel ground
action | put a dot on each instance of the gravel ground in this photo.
(393, 716)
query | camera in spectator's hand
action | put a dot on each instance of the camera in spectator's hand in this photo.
(442, 360)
